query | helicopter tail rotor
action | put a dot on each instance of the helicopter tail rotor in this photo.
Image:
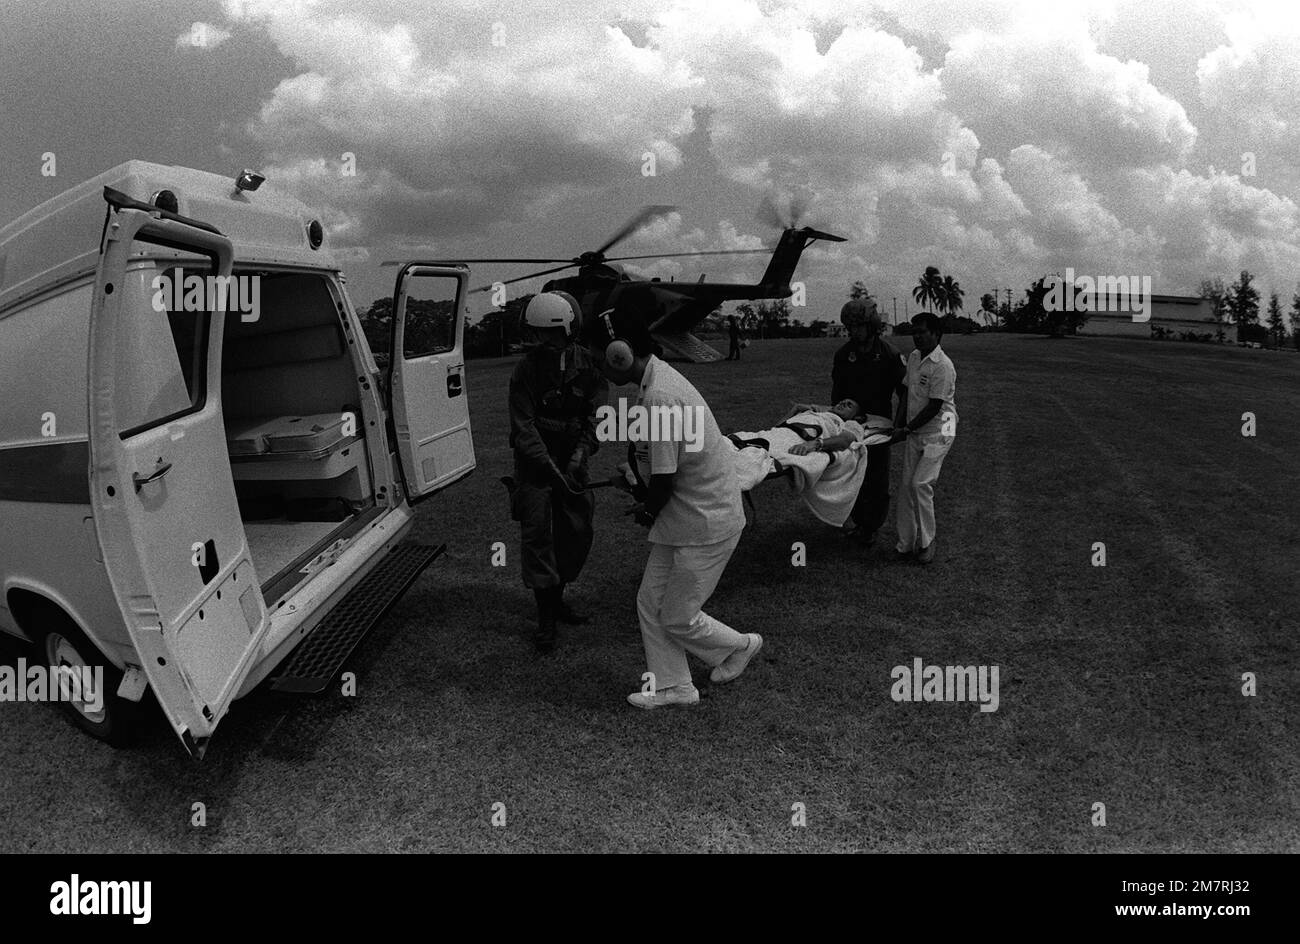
(783, 210)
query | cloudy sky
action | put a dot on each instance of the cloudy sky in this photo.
(997, 140)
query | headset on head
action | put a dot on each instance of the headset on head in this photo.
(618, 352)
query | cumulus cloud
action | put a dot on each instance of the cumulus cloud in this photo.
(1029, 86)
(466, 131)
(1252, 83)
(996, 139)
(202, 35)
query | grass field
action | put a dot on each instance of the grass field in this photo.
(1119, 685)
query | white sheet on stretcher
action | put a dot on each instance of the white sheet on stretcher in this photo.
(829, 489)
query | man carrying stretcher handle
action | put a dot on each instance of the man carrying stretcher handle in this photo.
(927, 422)
(868, 369)
(692, 506)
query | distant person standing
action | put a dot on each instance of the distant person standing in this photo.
(692, 506)
(868, 369)
(554, 393)
(927, 419)
(733, 327)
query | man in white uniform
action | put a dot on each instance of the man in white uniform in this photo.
(692, 505)
(927, 419)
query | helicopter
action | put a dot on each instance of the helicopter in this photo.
(600, 279)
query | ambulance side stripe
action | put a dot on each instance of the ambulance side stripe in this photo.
(56, 472)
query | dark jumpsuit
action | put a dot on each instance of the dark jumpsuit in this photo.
(550, 416)
(870, 376)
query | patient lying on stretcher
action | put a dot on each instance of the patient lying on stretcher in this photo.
(824, 449)
(835, 426)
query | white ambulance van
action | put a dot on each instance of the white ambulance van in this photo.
(205, 479)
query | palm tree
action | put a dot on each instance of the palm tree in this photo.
(929, 289)
(952, 294)
(989, 306)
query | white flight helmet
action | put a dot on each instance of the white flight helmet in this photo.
(554, 310)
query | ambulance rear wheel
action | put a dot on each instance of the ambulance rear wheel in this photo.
(96, 709)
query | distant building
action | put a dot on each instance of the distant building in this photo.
(1172, 314)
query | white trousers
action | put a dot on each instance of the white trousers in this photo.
(676, 584)
(922, 459)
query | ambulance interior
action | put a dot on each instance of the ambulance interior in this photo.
(294, 428)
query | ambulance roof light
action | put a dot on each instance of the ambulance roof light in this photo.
(249, 180)
(165, 200)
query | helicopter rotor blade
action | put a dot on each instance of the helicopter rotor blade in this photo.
(645, 215)
(707, 252)
(394, 262)
(506, 261)
(522, 278)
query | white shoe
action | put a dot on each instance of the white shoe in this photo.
(676, 696)
(731, 667)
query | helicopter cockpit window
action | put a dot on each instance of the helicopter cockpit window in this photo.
(430, 316)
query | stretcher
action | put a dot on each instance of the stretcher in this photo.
(828, 483)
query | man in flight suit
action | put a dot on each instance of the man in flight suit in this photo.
(867, 369)
(554, 393)
(733, 329)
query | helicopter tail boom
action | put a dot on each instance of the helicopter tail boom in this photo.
(786, 257)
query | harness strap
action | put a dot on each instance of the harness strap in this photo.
(740, 443)
(807, 431)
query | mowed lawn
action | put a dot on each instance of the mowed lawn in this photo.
(1120, 684)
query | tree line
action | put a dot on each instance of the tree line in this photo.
(498, 333)
(1238, 304)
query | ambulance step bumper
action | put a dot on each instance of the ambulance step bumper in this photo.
(316, 663)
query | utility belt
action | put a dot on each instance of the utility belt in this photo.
(559, 424)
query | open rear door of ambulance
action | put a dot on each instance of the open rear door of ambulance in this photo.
(426, 383)
(164, 502)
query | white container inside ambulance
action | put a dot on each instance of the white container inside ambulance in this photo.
(205, 483)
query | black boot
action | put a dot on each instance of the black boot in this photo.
(565, 613)
(544, 637)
